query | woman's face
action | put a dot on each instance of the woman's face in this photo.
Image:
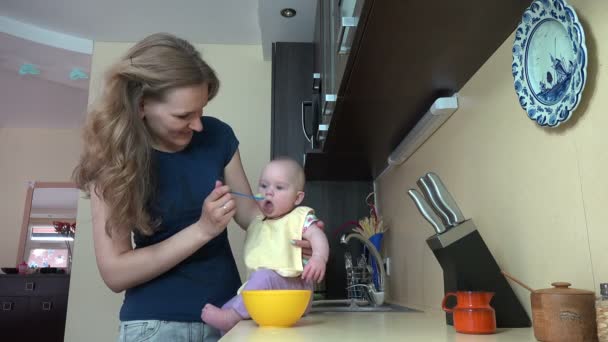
(171, 123)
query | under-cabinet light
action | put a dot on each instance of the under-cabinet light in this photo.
(439, 112)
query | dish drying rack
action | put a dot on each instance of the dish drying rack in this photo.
(358, 277)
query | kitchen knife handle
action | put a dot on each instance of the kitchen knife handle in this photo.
(446, 199)
(426, 211)
(431, 196)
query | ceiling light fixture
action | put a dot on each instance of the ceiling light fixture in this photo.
(29, 69)
(78, 74)
(288, 12)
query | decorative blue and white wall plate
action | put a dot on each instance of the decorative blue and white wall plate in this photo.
(549, 61)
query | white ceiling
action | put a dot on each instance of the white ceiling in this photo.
(200, 21)
(47, 100)
(275, 28)
(42, 31)
(55, 198)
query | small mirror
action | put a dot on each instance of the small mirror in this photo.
(49, 225)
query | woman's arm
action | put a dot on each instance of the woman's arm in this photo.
(122, 267)
(246, 208)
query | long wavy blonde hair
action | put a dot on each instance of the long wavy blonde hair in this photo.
(117, 145)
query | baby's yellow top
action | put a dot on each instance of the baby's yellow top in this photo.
(268, 243)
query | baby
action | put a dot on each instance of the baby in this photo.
(273, 263)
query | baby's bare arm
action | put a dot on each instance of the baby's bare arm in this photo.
(315, 268)
(318, 241)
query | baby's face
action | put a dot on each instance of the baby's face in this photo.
(278, 186)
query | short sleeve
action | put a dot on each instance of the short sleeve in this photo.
(309, 220)
(232, 143)
(220, 135)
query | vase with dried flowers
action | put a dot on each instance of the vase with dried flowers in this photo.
(372, 228)
(66, 229)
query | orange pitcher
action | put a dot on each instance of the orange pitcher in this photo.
(472, 313)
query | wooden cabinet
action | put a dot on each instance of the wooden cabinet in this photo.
(404, 55)
(334, 202)
(335, 28)
(292, 81)
(14, 314)
(338, 28)
(33, 307)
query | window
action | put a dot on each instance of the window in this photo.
(47, 232)
(40, 257)
(47, 246)
(48, 227)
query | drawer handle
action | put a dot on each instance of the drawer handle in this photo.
(46, 306)
(316, 82)
(329, 104)
(305, 104)
(346, 22)
(29, 286)
(7, 306)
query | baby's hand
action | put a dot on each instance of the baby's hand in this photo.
(314, 269)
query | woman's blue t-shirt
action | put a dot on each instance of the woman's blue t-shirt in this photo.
(183, 180)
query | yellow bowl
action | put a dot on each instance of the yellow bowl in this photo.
(276, 308)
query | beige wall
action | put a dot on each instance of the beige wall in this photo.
(244, 103)
(30, 154)
(537, 195)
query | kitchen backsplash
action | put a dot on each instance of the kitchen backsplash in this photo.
(538, 195)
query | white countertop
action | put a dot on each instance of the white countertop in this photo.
(370, 326)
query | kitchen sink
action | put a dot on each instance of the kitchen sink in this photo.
(348, 305)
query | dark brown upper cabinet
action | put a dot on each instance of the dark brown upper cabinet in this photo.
(402, 55)
(291, 126)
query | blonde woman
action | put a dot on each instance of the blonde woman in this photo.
(153, 166)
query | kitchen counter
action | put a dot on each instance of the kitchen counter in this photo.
(372, 326)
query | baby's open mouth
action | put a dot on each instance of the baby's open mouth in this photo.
(267, 207)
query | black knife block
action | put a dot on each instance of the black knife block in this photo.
(468, 265)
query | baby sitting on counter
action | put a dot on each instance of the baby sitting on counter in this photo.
(273, 262)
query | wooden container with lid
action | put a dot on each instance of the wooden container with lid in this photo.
(564, 314)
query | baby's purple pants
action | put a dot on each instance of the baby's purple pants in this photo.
(265, 279)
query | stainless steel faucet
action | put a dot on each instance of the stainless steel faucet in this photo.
(376, 295)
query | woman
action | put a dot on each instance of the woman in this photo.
(152, 165)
